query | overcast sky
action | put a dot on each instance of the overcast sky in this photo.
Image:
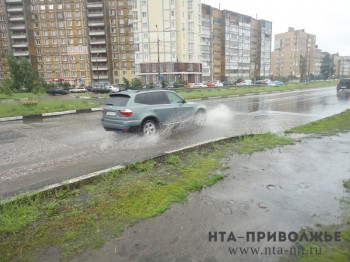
(328, 20)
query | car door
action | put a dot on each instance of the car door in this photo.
(160, 106)
(182, 110)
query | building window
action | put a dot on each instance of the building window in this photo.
(190, 4)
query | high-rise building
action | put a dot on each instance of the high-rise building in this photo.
(83, 42)
(167, 36)
(341, 65)
(288, 50)
(234, 45)
(74, 41)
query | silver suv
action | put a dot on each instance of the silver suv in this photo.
(147, 111)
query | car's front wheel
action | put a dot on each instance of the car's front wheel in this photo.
(201, 118)
(149, 128)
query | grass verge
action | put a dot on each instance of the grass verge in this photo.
(327, 126)
(86, 215)
(16, 96)
(43, 106)
(241, 90)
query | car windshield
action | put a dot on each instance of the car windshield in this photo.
(117, 100)
(345, 81)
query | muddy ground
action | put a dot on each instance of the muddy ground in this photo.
(283, 189)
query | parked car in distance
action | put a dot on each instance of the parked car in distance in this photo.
(263, 82)
(275, 83)
(189, 85)
(228, 83)
(148, 111)
(78, 90)
(245, 83)
(218, 84)
(57, 91)
(199, 85)
(105, 89)
(88, 88)
(100, 90)
(343, 85)
(113, 88)
(210, 84)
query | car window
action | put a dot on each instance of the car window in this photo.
(143, 99)
(160, 98)
(345, 81)
(153, 98)
(174, 98)
(117, 100)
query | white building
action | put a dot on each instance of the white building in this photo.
(167, 39)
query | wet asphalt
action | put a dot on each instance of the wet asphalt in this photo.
(34, 154)
(283, 189)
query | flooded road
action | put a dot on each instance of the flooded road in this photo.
(37, 154)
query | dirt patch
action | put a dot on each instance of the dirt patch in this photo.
(283, 189)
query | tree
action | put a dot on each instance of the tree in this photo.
(302, 67)
(22, 74)
(164, 83)
(126, 83)
(136, 83)
(327, 67)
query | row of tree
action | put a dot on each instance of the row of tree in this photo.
(24, 78)
(327, 67)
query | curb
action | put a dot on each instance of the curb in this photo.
(53, 114)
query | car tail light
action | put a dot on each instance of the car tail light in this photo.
(126, 112)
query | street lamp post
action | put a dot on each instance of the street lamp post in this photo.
(158, 56)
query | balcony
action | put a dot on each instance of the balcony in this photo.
(97, 41)
(100, 77)
(95, 14)
(20, 44)
(97, 32)
(98, 59)
(94, 5)
(14, 9)
(19, 36)
(98, 50)
(16, 18)
(21, 53)
(18, 27)
(93, 24)
(99, 68)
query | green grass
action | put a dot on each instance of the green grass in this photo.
(43, 106)
(347, 184)
(241, 90)
(19, 96)
(251, 144)
(327, 126)
(86, 215)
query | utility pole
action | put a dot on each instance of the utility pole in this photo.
(158, 57)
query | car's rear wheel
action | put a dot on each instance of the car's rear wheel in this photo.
(201, 118)
(149, 128)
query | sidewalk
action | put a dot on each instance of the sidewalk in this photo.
(280, 190)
